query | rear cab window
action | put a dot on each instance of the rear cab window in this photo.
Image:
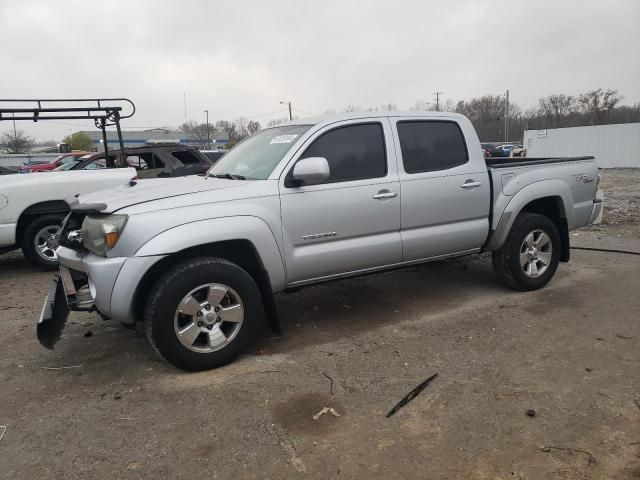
(431, 145)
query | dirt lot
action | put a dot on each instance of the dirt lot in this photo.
(104, 406)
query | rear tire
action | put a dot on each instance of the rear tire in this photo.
(203, 313)
(33, 241)
(530, 256)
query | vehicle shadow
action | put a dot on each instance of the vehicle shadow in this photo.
(15, 263)
(329, 312)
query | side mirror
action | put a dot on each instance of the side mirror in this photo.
(310, 170)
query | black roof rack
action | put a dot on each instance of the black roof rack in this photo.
(105, 112)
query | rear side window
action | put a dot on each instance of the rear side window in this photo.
(428, 146)
(354, 152)
(186, 157)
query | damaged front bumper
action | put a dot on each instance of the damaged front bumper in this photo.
(68, 291)
(91, 283)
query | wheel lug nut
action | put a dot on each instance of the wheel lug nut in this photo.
(209, 327)
(199, 324)
(218, 319)
(199, 314)
(207, 307)
(217, 309)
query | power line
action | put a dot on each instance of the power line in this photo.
(306, 113)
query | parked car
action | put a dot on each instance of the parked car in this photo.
(198, 259)
(154, 161)
(68, 165)
(53, 164)
(502, 150)
(486, 149)
(32, 208)
(518, 151)
(7, 171)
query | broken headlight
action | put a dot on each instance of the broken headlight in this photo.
(101, 233)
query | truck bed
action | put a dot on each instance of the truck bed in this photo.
(507, 162)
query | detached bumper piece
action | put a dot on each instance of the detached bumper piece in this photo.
(65, 293)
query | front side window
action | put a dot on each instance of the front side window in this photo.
(258, 155)
(354, 152)
(428, 146)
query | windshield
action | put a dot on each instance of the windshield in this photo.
(257, 156)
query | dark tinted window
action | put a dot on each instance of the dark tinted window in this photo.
(354, 152)
(187, 157)
(429, 146)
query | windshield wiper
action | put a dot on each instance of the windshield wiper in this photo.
(229, 176)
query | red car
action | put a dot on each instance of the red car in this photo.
(61, 160)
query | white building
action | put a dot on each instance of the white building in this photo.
(614, 146)
(144, 137)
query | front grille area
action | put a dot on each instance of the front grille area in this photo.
(74, 222)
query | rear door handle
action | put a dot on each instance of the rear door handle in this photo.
(384, 194)
(470, 184)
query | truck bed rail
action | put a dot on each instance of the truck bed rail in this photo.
(509, 162)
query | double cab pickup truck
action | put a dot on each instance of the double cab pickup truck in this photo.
(199, 259)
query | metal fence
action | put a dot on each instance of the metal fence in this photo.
(614, 146)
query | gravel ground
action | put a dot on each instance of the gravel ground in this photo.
(103, 406)
(622, 196)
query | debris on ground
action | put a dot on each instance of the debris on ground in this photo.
(324, 410)
(117, 396)
(589, 455)
(331, 380)
(624, 337)
(2, 430)
(88, 333)
(531, 412)
(637, 402)
(61, 368)
(411, 395)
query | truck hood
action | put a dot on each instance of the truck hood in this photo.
(139, 192)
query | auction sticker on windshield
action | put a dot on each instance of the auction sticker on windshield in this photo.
(283, 139)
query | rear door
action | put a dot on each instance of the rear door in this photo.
(445, 189)
(350, 222)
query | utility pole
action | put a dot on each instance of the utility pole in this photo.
(506, 117)
(437, 94)
(208, 138)
(184, 99)
(288, 103)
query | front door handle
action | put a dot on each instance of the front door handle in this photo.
(384, 194)
(470, 184)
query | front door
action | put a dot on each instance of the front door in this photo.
(350, 222)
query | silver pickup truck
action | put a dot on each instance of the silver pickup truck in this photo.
(198, 259)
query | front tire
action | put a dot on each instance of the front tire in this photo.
(203, 313)
(34, 241)
(530, 256)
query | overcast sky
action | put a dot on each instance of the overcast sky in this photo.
(241, 58)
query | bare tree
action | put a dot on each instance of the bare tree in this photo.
(557, 109)
(420, 106)
(227, 128)
(597, 104)
(16, 141)
(253, 127)
(197, 132)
